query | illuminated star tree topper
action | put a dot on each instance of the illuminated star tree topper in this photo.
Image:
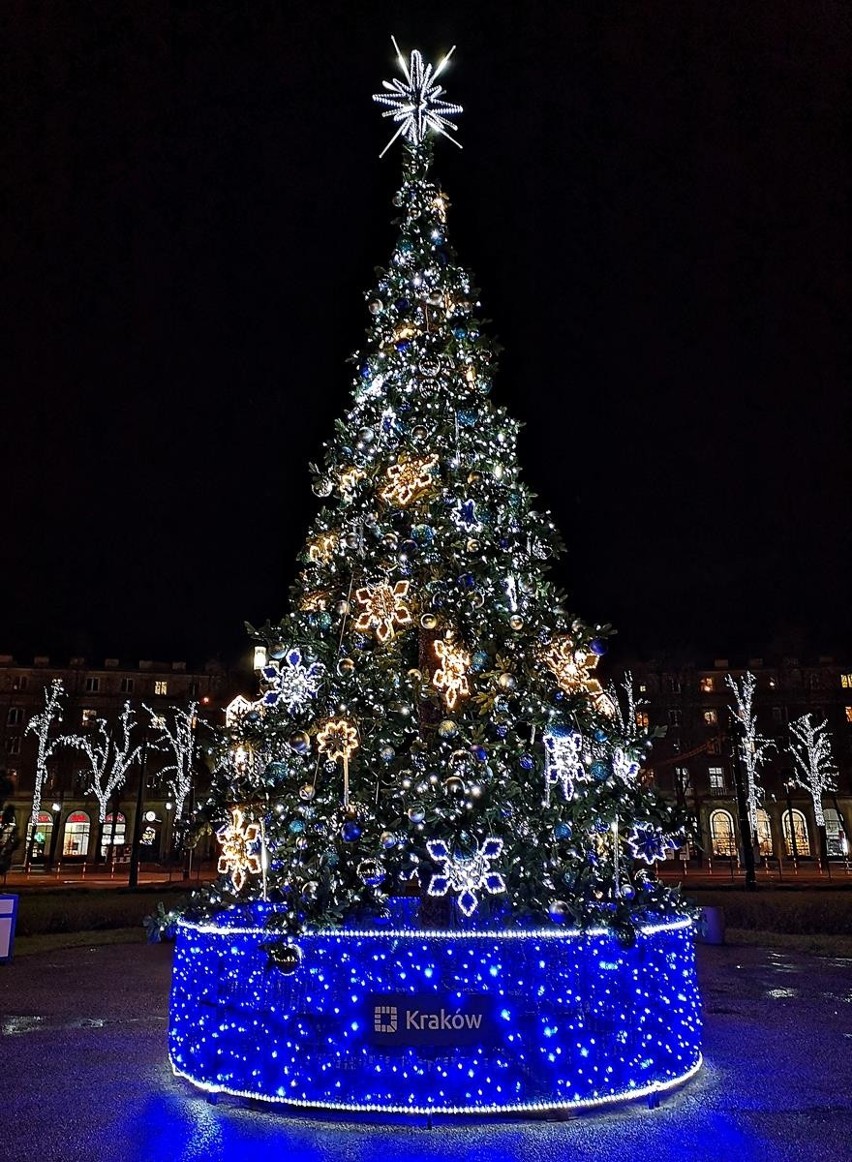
(415, 103)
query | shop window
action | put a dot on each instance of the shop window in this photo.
(722, 835)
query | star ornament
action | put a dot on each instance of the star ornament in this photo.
(451, 677)
(384, 609)
(408, 480)
(416, 102)
(467, 875)
(240, 840)
(338, 739)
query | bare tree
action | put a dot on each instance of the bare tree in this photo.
(109, 756)
(754, 749)
(40, 725)
(177, 739)
(810, 746)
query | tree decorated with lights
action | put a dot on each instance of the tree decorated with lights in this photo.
(109, 755)
(810, 746)
(41, 725)
(430, 722)
(754, 749)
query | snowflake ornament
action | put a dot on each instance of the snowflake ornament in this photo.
(649, 843)
(563, 760)
(384, 609)
(292, 683)
(338, 739)
(624, 767)
(451, 677)
(466, 516)
(416, 102)
(408, 480)
(571, 665)
(466, 875)
(239, 840)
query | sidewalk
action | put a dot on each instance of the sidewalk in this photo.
(84, 1050)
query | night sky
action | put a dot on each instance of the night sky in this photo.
(653, 199)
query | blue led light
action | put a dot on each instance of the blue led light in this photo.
(407, 1020)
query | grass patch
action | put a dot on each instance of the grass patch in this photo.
(800, 912)
(53, 941)
(86, 910)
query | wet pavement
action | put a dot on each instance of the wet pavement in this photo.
(85, 1076)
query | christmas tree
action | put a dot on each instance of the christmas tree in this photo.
(430, 722)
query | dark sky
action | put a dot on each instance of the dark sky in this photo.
(653, 198)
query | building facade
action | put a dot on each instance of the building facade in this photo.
(68, 828)
(697, 763)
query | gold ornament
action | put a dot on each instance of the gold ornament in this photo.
(338, 739)
(572, 666)
(408, 480)
(451, 677)
(384, 608)
(347, 481)
(321, 549)
(440, 204)
(237, 837)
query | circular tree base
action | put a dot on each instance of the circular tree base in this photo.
(401, 1020)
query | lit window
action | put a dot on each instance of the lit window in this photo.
(707, 685)
(796, 838)
(93, 685)
(643, 689)
(848, 713)
(158, 722)
(161, 687)
(89, 716)
(711, 717)
(15, 716)
(764, 832)
(126, 685)
(722, 834)
(642, 719)
(76, 838)
(845, 681)
(717, 778)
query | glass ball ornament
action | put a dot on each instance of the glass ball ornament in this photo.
(473, 545)
(600, 735)
(473, 477)
(599, 770)
(322, 486)
(507, 681)
(375, 306)
(479, 753)
(479, 660)
(371, 872)
(416, 814)
(387, 754)
(516, 621)
(429, 621)
(558, 911)
(300, 742)
(627, 891)
(352, 540)
(419, 434)
(429, 367)
(324, 621)
(351, 831)
(277, 650)
(295, 827)
(527, 762)
(345, 666)
(453, 785)
(390, 540)
(597, 647)
(562, 830)
(415, 677)
(447, 728)
(387, 839)
(307, 792)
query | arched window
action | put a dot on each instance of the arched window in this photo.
(76, 838)
(764, 832)
(108, 837)
(44, 830)
(722, 834)
(835, 832)
(800, 829)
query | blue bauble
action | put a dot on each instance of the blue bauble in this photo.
(423, 534)
(562, 831)
(479, 753)
(402, 304)
(387, 754)
(479, 660)
(599, 770)
(253, 716)
(406, 246)
(468, 580)
(527, 762)
(324, 621)
(351, 831)
(558, 696)
(402, 344)
(504, 542)
(365, 371)
(597, 647)
(600, 735)
(460, 332)
(296, 827)
(501, 730)
(467, 418)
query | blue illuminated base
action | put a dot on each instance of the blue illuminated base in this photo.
(421, 1022)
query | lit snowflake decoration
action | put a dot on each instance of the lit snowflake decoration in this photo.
(384, 609)
(293, 684)
(348, 481)
(321, 549)
(466, 875)
(563, 760)
(408, 480)
(572, 666)
(624, 767)
(649, 843)
(337, 739)
(416, 103)
(465, 516)
(240, 840)
(451, 676)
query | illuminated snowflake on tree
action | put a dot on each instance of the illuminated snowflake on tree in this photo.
(408, 480)
(240, 840)
(451, 676)
(563, 760)
(416, 103)
(623, 766)
(572, 666)
(321, 549)
(385, 609)
(337, 739)
(293, 684)
(466, 875)
(649, 843)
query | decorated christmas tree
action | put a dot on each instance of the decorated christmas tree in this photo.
(436, 889)
(430, 721)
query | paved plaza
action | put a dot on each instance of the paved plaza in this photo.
(85, 1076)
